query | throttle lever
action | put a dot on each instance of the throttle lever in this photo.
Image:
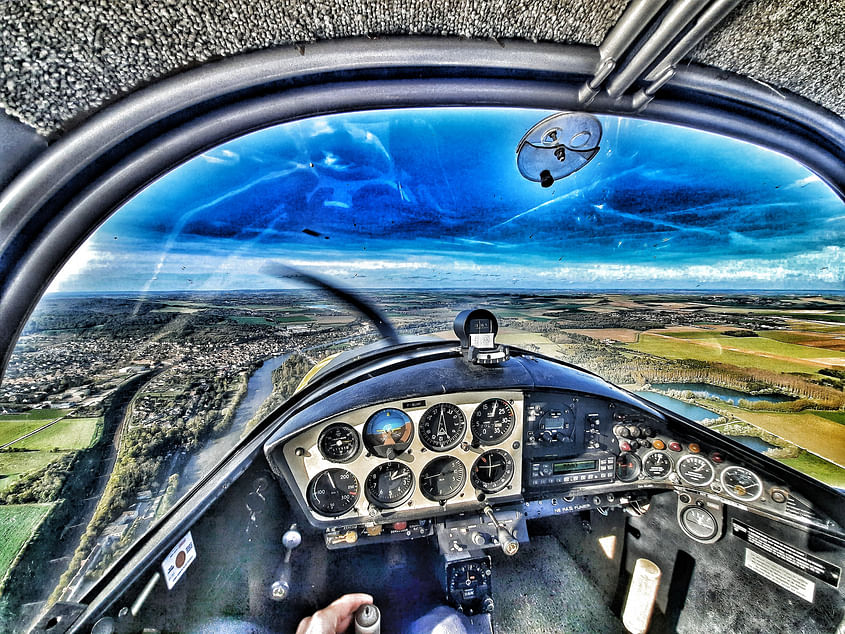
(281, 584)
(509, 544)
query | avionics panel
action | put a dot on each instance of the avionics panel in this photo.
(567, 440)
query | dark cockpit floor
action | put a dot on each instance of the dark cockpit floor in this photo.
(542, 589)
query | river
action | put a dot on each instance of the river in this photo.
(703, 390)
(699, 414)
(259, 387)
(689, 410)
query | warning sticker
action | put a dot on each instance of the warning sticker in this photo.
(776, 573)
(805, 562)
(800, 511)
(178, 560)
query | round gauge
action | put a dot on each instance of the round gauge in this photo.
(389, 485)
(388, 433)
(699, 523)
(442, 427)
(627, 467)
(333, 492)
(492, 421)
(339, 442)
(442, 478)
(695, 470)
(492, 471)
(742, 484)
(657, 465)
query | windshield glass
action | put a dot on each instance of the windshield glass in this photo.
(703, 273)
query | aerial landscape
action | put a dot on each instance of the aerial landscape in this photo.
(147, 392)
(175, 329)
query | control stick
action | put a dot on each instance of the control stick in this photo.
(507, 541)
(281, 586)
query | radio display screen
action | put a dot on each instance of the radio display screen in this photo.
(574, 466)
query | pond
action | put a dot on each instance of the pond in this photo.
(693, 412)
(704, 390)
(752, 442)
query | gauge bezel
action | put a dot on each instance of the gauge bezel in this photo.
(324, 433)
(505, 435)
(499, 484)
(389, 504)
(651, 453)
(312, 484)
(442, 498)
(691, 456)
(460, 436)
(730, 489)
(683, 521)
(636, 459)
(397, 449)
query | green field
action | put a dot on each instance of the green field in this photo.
(251, 321)
(70, 433)
(15, 463)
(744, 352)
(817, 468)
(808, 430)
(17, 523)
(836, 417)
(291, 319)
(12, 429)
(16, 425)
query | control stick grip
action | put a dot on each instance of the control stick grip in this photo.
(508, 543)
(367, 620)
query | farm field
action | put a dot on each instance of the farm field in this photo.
(13, 464)
(808, 430)
(817, 468)
(744, 352)
(14, 426)
(17, 523)
(70, 433)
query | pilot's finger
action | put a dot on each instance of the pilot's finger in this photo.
(334, 618)
(344, 608)
(304, 624)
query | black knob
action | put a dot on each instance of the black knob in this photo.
(546, 437)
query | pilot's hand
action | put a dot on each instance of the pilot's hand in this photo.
(336, 617)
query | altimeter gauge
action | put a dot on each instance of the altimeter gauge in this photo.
(389, 485)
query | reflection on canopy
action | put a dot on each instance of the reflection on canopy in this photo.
(433, 198)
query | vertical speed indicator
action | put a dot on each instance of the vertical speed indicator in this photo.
(492, 421)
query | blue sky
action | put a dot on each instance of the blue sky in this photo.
(433, 199)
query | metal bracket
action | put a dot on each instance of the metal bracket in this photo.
(649, 56)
